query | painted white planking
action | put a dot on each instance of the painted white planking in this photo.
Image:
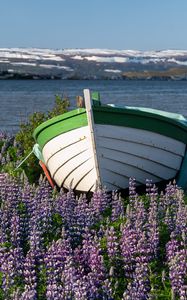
(127, 171)
(140, 163)
(114, 180)
(64, 155)
(154, 154)
(140, 136)
(88, 181)
(64, 140)
(83, 178)
(68, 172)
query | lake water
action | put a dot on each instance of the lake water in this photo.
(19, 98)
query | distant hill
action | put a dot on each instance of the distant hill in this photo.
(31, 63)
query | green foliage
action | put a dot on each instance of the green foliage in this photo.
(41, 287)
(61, 106)
(1, 290)
(25, 136)
(6, 245)
(160, 286)
(55, 233)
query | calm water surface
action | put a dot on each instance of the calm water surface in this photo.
(19, 98)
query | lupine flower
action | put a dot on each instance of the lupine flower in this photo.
(55, 258)
(117, 207)
(58, 246)
(177, 261)
(132, 191)
(29, 294)
(129, 242)
(29, 271)
(100, 202)
(141, 216)
(107, 290)
(149, 186)
(112, 243)
(95, 260)
(15, 230)
(152, 224)
(181, 216)
(138, 288)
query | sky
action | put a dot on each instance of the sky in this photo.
(110, 24)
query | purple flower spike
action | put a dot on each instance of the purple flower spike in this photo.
(112, 243)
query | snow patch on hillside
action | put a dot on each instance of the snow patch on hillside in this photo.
(114, 59)
(173, 60)
(54, 66)
(28, 54)
(112, 71)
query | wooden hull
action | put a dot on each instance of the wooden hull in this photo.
(121, 152)
(96, 151)
(129, 152)
(69, 158)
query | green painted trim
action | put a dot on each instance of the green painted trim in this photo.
(108, 115)
(142, 120)
(51, 128)
(95, 98)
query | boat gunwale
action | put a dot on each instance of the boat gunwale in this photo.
(148, 121)
(170, 127)
(57, 119)
(130, 111)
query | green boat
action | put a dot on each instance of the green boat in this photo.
(105, 145)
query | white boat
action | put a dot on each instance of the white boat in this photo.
(105, 145)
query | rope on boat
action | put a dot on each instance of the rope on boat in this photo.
(36, 150)
(24, 160)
